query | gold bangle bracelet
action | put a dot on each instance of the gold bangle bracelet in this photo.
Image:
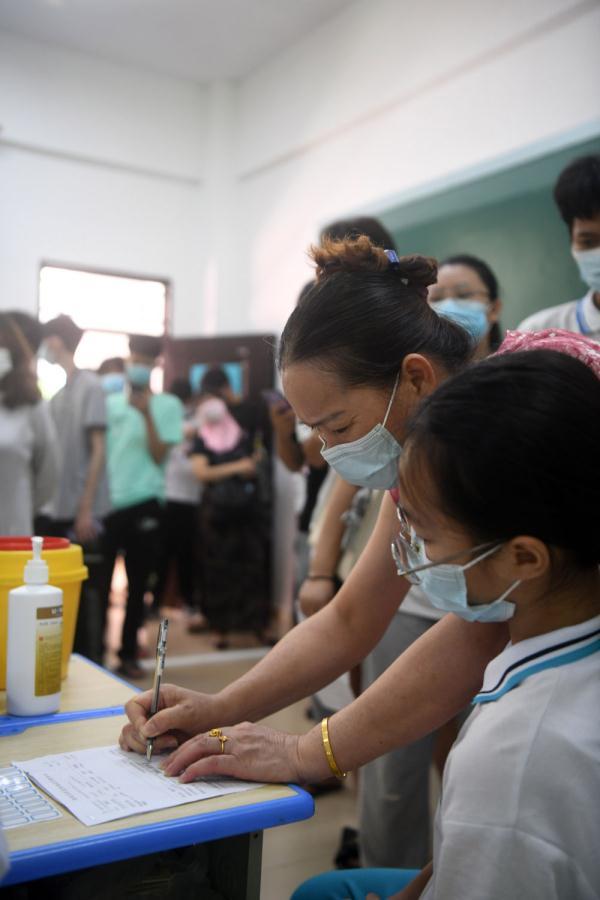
(329, 752)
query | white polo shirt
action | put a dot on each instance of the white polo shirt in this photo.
(519, 816)
(581, 316)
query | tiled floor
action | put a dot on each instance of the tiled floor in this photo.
(290, 853)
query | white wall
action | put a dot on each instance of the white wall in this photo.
(220, 188)
(100, 166)
(391, 96)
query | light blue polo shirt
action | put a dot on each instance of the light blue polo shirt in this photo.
(134, 476)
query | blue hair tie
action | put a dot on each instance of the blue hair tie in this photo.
(393, 258)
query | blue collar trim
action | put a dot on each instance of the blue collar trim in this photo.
(553, 663)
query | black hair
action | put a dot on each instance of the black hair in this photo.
(364, 314)
(577, 190)
(354, 227)
(182, 388)
(488, 277)
(214, 380)
(511, 446)
(145, 345)
(65, 328)
(112, 364)
(21, 334)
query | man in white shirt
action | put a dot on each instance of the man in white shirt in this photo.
(577, 195)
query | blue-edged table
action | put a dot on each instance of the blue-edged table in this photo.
(88, 692)
(229, 828)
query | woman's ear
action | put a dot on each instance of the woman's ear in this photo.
(419, 374)
(526, 558)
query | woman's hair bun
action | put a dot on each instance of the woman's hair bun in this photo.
(360, 255)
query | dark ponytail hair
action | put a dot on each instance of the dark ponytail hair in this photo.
(365, 313)
(511, 446)
(488, 277)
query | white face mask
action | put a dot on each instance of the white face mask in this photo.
(588, 263)
(372, 460)
(6, 363)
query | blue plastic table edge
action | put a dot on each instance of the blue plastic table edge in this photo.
(82, 853)
(17, 724)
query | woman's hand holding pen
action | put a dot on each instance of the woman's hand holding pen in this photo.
(252, 752)
(181, 715)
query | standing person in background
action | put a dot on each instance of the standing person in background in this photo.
(28, 450)
(142, 428)
(231, 537)
(215, 383)
(577, 195)
(81, 500)
(467, 291)
(112, 375)
(182, 494)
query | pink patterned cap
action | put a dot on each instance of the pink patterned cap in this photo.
(558, 339)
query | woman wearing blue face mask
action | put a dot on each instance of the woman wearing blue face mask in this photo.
(467, 291)
(359, 353)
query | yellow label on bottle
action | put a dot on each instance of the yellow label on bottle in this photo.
(48, 650)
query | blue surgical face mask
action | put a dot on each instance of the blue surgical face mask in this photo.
(470, 314)
(446, 588)
(588, 262)
(372, 460)
(113, 382)
(138, 375)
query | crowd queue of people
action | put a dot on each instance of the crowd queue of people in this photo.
(163, 479)
(448, 555)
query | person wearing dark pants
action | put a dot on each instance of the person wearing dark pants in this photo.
(142, 429)
(135, 532)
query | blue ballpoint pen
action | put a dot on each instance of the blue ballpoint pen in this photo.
(161, 649)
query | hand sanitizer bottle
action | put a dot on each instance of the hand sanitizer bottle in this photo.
(34, 650)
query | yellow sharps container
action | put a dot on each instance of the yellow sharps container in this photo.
(66, 571)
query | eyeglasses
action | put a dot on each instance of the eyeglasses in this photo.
(408, 551)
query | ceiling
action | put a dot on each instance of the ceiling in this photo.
(201, 40)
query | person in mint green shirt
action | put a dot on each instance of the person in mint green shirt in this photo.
(142, 429)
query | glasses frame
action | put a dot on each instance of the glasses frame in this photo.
(405, 538)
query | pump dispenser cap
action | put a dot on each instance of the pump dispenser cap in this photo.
(36, 569)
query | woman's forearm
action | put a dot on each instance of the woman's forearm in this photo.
(429, 683)
(331, 642)
(311, 655)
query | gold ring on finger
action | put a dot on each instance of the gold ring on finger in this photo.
(222, 738)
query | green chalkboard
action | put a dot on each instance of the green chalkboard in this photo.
(516, 229)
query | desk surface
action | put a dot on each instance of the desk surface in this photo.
(86, 692)
(48, 848)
